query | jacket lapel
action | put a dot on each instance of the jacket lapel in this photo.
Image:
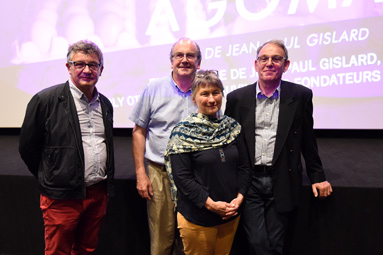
(287, 109)
(247, 115)
(71, 111)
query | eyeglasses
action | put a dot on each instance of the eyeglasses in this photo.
(81, 65)
(181, 55)
(275, 59)
(203, 73)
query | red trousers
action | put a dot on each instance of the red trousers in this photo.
(72, 225)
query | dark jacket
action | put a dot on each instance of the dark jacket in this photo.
(295, 137)
(51, 143)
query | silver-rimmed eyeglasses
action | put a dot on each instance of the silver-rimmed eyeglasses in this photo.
(79, 65)
(275, 59)
(181, 55)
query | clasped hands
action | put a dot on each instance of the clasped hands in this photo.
(224, 209)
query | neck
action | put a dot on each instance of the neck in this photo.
(183, 82)
(88, 92)
(268, 88)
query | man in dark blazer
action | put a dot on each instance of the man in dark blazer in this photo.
(276, 117)
(66, 141)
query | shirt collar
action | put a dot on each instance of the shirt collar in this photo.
(176, 85)
(80, 95)
(275, 94)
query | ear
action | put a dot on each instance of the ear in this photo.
(256, 65)
(199, 64)
(101, 69)
(195, 102)
(68, 67)
(286, 66)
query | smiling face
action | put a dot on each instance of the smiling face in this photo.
(185, 61)
(270, 72)
(85, 78)
(208, 99)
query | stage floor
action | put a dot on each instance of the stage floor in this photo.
(348, 222)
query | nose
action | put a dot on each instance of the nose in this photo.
(211, 99)
(269, 61)
(184, 58)
(86, 69)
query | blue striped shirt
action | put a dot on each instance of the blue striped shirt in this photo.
(266, 124)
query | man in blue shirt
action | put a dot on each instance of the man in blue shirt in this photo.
(163, 103)
(277, 121)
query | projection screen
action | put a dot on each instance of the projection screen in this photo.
(335, 49)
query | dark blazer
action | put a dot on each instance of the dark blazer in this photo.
(51, 143)
(295, 137)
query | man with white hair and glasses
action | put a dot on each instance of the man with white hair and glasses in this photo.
(163, 103)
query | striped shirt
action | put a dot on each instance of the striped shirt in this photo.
(92, 134)
(266, 124)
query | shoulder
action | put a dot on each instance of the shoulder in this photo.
(157, 87)
(53, 90)
(246, 90)
(159, 82)
(295, 86)
(230, 120)
(46, 95)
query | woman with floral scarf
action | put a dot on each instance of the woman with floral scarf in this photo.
(208, 166)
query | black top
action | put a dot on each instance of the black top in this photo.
(201, 174)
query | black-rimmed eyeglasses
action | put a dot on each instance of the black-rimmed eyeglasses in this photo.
(79, 65)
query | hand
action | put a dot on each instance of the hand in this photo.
(219, 207)
(223, 209)
(144, 186)
(233, 207)
(324, 189)
(237, 201)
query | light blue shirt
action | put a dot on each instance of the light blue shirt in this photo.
(161, 106)
(266, 124)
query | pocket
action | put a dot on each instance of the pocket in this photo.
(45, 202)
(60, 166)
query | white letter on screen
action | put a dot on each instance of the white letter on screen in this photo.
(162, 10)
(221, 8)
(312, 4)
(256, 16)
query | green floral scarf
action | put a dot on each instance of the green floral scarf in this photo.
(198, 132)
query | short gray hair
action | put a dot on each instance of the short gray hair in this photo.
(280, 43)
(204, 78)
(87, 47)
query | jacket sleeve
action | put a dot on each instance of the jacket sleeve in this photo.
(32, 135)
(310, 152)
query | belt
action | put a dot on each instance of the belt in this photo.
(262, 168)
(157, 165)
(101, 184)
